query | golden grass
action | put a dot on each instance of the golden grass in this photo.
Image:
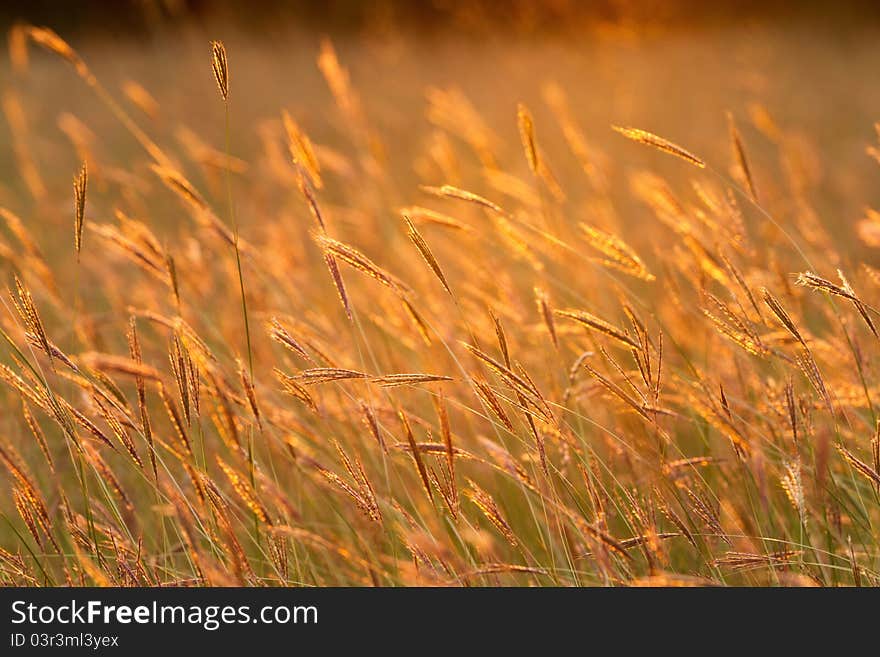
(528, 381)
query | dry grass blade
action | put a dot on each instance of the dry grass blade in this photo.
(861, 307)
(394, 380)
(220, 67)
(807, 364)
(621, 256)
(251, 393)
(747, 560)
(141, 98)
(810, 280)
(489, 507)
(38, 433)
(434, 448)
(599, 325)
(774, 305)
(737, 276)
(792, 483)
(650, 139)
(175, 419)
(739, 155)
(875, 451)
(364, 504)
(372, 424)
(512, 379)
(79, 194)
(546, 312)
(333, 267)
(134, 350)
(327, 374)
(495, 568)
(416, 454)
(696, 461)
(292, 387)
(427, 216)
(863, 468)
(618, 392)
(501, 336)
(282, 336)
(119, 365)
(351, 256)
(18, 52)
(301, 150)
(527, 136)
(54, 352)
(49, 39)
(425, 252)
(490, 399)
(443, 416)
(177, 183)
(417, 320)
(815, 282)
(732, 327)
(141, 252)
(305, 188)
(27, 310)
(451, 191)
(244, 491)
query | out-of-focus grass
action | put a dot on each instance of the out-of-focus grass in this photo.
(679, 82)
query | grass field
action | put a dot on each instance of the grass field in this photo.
(404, 309)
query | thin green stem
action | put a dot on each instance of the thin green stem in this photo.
(244, 311)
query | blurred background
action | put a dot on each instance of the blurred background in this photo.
(426, 15)
(673, 67)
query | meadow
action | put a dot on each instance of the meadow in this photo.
(420, 309)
